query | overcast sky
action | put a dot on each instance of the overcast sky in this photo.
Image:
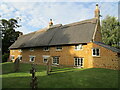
(36, 15)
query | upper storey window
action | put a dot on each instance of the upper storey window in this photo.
(58, 48)
(78, 47)
(20, 50)
(45, 48)
(31, 49)
(95, 52)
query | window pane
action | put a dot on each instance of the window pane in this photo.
(75, 47)
(58, 47)
(32, 58)
(56, 60)
(78, 61)
(80, 46)
(75, 62)
(81, 60)
(45, 60)
(93, 51)
(46, 48)
(20, 58)
(97, 52)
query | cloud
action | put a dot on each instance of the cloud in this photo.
(36, 15)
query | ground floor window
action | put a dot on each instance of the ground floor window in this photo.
(56, 60)
(32, 58)
(12, 57)
(20, 57)
(45, 59)
(78, 62)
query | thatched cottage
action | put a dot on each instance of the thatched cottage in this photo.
(77, 44)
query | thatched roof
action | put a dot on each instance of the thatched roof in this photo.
(74, 33)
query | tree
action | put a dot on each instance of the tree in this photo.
(110, 31)
(9, 35)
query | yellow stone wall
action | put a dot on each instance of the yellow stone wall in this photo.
(67, 55)
(107, 59)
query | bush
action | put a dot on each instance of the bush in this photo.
(5, 57)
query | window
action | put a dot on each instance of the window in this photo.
(31, 49)
(32, 58)
(55, 60)
(20, 57)
(78, 47)
(58, 48)
(78, 62)
(45, 48)
(45, 59)
(95, 52)
(12, 57)
(20, 50)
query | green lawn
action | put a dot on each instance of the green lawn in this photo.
(60, 77)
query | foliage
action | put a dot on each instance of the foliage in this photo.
(110, 31)
(59, 78)
(9, 35)
(5, 57)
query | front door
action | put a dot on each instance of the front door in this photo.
(78, 62)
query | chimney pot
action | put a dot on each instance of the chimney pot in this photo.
(50, 23)
(97, 12)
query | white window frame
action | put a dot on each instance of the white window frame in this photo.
(58, 49)
(53, 59)
(96, 52)
(46, 48)
(45, 57)
(31, 49)
(80, 62)
(20, 50)
(19, 57)
(79, 47)
(12, 56)
(30, 57)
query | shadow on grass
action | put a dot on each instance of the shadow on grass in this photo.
(9, 68)
(88, 78)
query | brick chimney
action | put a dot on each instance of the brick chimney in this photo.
(97, 12)
(50, 23)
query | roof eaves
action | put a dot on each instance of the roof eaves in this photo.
(107, 46)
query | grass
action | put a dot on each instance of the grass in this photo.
(60, 77)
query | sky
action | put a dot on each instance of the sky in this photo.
(36, 15)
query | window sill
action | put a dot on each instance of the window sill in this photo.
(58, 50)
(46, 50)
(55, 64)
(97, 56)
(32, 61)
(78, 50)
(31, 51)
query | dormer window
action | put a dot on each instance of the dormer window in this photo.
(31, 49)
(45, 48)
(20, 50)
(58, 48)
(78, 47)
